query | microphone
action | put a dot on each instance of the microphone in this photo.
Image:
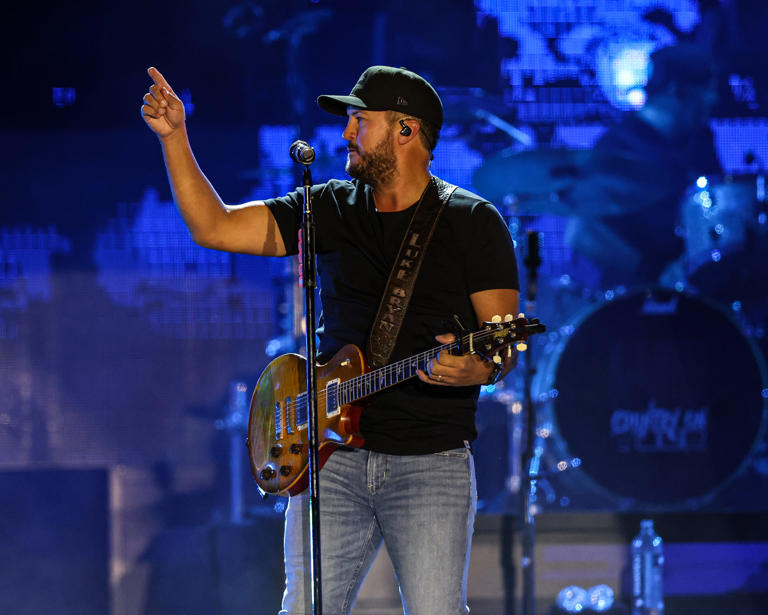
(302, 152)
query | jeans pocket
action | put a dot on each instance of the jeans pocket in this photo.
(462, 453)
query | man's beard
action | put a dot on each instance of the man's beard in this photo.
(377, 167)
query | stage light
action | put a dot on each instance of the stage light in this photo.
(705, 198)
(572, 599)
(623, 68)
(63, 97)
(636, 98)
(596, 599)
(702, 182)
(600, 598)
(186, 99)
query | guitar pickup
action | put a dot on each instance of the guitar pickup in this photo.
(302, 403)
(332, 407)
(287, 415)
(278, 421)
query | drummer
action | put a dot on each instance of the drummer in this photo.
(628, 200)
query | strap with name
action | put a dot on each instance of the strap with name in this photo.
(397, 294)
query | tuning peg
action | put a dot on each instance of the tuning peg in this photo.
(509, 352)
(509, 318)
(521, 315)
(496, 318)
(521, 346)
(496, 358)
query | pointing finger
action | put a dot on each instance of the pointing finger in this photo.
(159, 80)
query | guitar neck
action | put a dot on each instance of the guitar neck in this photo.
(374, 381)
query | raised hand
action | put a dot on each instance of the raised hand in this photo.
(162, 110)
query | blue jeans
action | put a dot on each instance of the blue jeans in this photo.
(422, 507)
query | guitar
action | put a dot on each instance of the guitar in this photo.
(278, 439)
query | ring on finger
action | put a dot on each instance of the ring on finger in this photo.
(439, 377)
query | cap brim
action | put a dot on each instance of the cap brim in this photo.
(338, 104)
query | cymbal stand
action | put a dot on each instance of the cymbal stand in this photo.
(532, 262)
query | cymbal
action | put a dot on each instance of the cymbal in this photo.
(462, 104)
(536, 180)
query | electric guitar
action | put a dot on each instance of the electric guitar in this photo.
(278, 438)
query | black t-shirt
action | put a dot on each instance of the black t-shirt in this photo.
(471, 250)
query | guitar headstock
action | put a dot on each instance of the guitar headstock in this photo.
(499, 336)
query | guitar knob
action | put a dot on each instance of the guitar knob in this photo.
(296, 448)
(276, 450)
(285, 470)
(267, 473)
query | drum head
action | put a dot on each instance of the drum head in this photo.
(660, 396)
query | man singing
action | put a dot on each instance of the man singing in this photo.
(411, 486)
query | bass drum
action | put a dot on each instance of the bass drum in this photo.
(657, 396)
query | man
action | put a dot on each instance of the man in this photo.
(627, 203)
(412, 485)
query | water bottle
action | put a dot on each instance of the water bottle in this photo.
(647, 571)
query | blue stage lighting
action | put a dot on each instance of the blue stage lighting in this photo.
(63, 97)
(600, 598)
(623, 68)
(572, 599)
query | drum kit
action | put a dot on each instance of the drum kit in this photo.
(650, 395)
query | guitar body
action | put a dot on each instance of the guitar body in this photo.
(278, 440)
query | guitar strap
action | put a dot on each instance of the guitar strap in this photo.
(402, 278)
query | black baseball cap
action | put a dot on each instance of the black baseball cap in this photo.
(385, 88)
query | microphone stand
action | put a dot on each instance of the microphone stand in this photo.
(529, 475)
(308, 279)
